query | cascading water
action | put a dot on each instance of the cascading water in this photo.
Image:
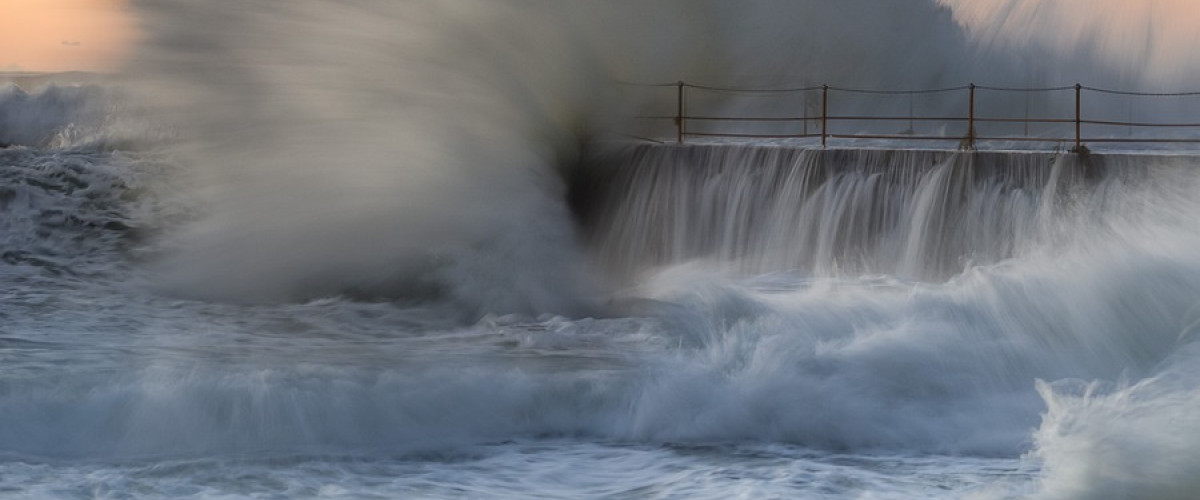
(907, 213)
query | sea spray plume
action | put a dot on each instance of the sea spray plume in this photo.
(369, 147)
(1148, 44)
(1133, 441)
(862, 44)
(1136, 437)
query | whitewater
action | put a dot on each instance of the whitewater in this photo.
(275, 261)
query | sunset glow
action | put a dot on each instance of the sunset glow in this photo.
(65, 35)
(1152, 39)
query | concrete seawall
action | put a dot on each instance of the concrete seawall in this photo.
(920, 214)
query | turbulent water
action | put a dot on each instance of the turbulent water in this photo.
(771, 322)
(391, 250)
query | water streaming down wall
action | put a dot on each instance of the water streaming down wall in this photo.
(917, 214)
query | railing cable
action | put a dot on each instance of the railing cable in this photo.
(1025, 89)
(714, 88)
(900, 92)
(1147, 94)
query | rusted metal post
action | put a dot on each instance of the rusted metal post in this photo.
(969, 141)
(1078, 142)
(679, 113)
(824, 113)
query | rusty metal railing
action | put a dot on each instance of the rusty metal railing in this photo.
(816, 121)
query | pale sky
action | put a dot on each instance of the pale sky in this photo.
(96, 35)
(62, 35)
(1156, 38)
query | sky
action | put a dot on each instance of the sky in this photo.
(97, 35)
(65, 35)
(1154, 38)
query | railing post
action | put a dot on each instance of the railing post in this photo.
(679, 113)
(1078, 141)
(824, 113)
(969, 141)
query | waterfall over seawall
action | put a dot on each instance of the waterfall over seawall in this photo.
(916, 214)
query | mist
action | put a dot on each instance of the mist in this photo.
(416, 149)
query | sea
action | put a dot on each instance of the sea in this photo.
(406, 249)
(789, 323)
